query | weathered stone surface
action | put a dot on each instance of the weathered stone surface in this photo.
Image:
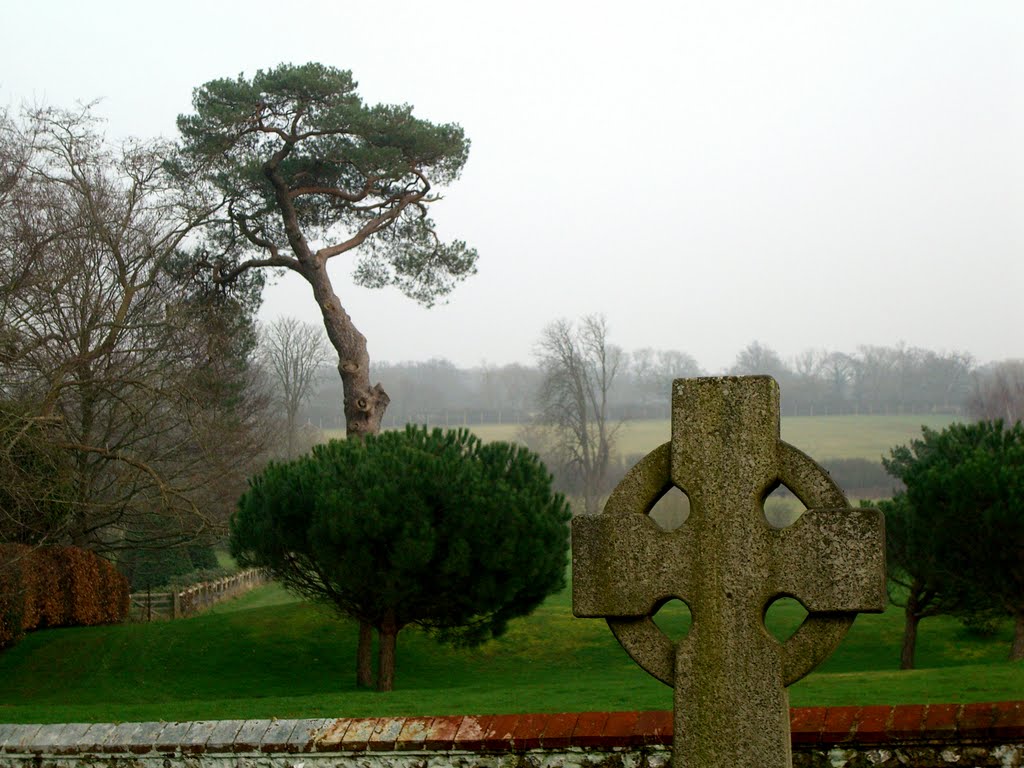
(330, 737)
(386, 733)
(589, 730)
(472, 731)
(414, 733)
(500, 732)
(306, 733)
(728, 564)
(7, 730)
(442, 732)
(144, 738)
(20, 739)
(529, 730)
(222, 737)
(93, 739)
(359, 733)
(69, 739)
(171, 736)
(120, 739)
(277, 735)
(47, 737)
(195, 738)
(558, 731)
(251, 735)
(833, 737)
(847, 756)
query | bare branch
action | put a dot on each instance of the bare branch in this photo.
(579, 368)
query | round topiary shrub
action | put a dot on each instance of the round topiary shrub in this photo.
(426, 528)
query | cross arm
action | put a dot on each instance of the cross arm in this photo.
(833, 560)
(625, 566)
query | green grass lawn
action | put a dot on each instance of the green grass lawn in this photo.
(267, 655)
(821, 437)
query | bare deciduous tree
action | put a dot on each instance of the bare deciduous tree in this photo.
(838, 370)
(292, 352)
(579, 367)
(998, 393)
(106, 357)
(759, 359)
(809, 363)
(653, 371)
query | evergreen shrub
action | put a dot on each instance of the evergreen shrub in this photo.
(416, 527)
(163, 567)
(154, 568)
(203, 557)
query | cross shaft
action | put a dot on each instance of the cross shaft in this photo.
(727, 564)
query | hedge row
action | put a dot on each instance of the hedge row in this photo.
(56, 587)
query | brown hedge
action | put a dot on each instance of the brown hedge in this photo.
(57, 587)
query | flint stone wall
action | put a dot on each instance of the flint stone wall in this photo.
(926, 736)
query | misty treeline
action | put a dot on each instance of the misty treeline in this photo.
(818, 382)
(571, 419)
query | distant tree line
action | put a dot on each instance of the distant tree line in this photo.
(868, 380)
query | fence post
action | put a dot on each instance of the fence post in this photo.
(175, 604)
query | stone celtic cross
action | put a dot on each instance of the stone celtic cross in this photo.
(728, 564)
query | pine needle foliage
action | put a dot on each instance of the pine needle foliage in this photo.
(416, 527)
(956, 534)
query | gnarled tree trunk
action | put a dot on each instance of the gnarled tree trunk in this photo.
(364, 411)
(364, 404)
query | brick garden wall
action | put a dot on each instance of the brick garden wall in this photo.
(927, 736)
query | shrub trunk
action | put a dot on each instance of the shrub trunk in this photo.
(1017, 649)
(911, 620)
(388, 635)
(364, 656)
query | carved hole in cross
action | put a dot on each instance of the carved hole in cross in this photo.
(671, 510)
(673, 618)
(783, 617)
(782, 508)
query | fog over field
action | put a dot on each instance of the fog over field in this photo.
(805, 174)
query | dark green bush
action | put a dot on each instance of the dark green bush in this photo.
(419, 527)
(159, 568)
(154, 568)
(203, 557)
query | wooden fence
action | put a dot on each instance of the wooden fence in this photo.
(187, 601)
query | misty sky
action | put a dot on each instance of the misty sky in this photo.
(816, 174)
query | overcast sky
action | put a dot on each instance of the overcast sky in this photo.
(706, 174)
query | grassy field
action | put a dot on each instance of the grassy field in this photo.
(822, 437)
(267, 655)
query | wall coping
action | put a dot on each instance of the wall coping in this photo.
(812, 728)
